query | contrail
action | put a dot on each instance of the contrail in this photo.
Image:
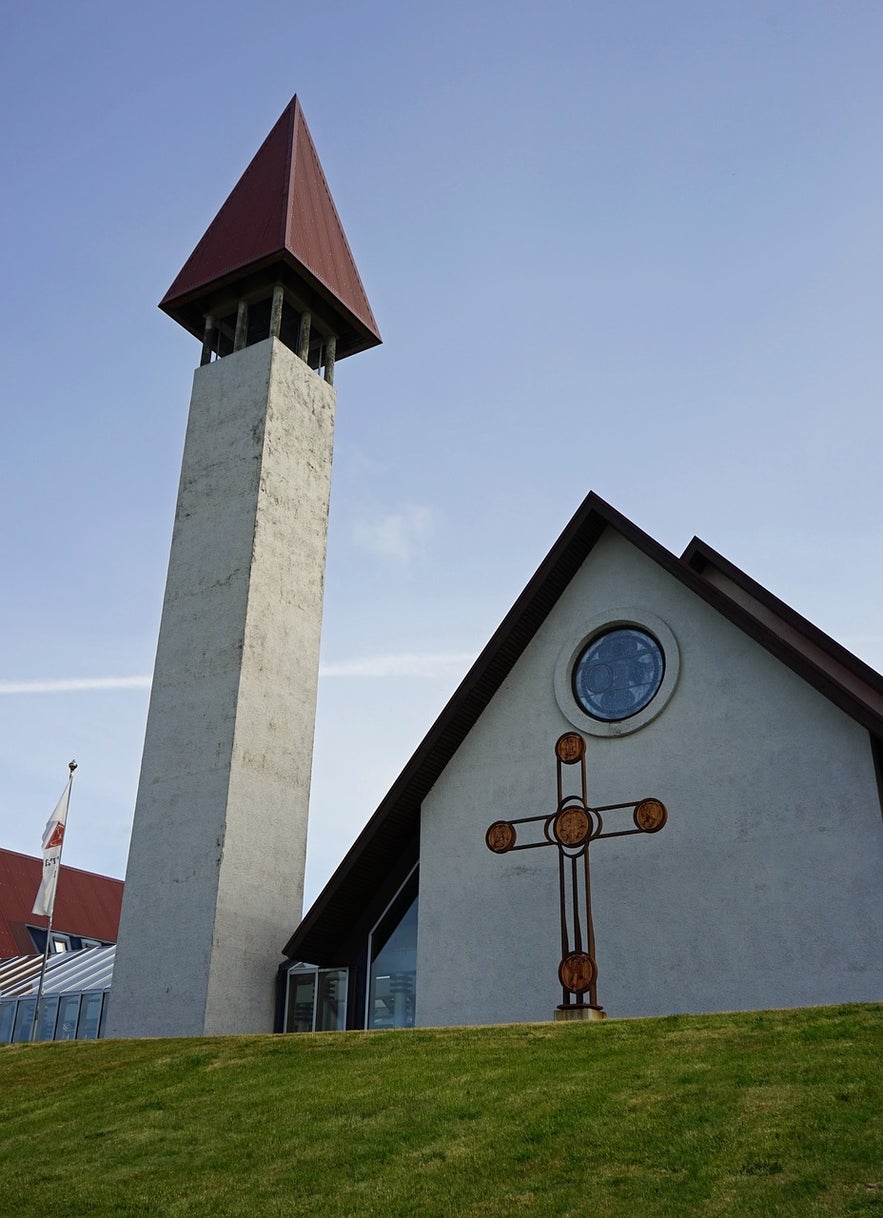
(432, 665)
(68, 685)
(441, 665)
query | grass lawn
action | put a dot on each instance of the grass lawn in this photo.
(773, 1113)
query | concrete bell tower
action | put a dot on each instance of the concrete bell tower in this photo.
(216, 863)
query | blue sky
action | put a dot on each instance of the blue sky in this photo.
(632, 247)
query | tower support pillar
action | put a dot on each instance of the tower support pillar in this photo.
(217, 857)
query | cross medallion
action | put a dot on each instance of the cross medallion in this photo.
(572, 827)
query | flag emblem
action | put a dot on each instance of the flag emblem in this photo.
(56, 838)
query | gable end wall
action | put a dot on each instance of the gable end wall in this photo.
(763, 889)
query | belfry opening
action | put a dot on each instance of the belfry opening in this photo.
(233, 324)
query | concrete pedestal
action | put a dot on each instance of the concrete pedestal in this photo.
(581, 1013)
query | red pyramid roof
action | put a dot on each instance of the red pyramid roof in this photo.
(280, 211)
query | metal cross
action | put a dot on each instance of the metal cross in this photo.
(572, 827)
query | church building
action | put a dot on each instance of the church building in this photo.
(658, 789)
(692, 687)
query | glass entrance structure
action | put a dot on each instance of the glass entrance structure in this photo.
(375, 983)
(74, 1000)
(315, 999)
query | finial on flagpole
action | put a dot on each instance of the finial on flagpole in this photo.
(71, 765)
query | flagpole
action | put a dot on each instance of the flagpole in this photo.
(70, 782)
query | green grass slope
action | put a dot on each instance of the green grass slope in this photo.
(775, 1113)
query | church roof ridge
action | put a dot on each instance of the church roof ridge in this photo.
(396, 819)
(702, 557)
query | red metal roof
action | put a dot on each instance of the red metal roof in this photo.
(281, 210)
(85, 903)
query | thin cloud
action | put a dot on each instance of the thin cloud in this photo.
(438, 665)
(395, 535)
(73, 685)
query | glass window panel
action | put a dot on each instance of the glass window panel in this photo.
(618, 673)
(7, 1018)
(89, 1017)
(24, 1019)
(331, 1005)
(393, 978)
(46, 1022)
(301, 998)
(104, 1007)
(38, 938)
(68, 1014)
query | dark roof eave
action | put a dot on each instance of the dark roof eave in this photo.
(188, 308)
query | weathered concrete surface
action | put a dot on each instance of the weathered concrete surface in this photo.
(762, 890)
(215, 871)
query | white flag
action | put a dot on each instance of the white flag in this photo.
(53, 836)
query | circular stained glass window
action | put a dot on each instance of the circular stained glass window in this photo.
(618, 673)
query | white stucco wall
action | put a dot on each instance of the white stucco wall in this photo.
(764, 889)
(216, 862)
